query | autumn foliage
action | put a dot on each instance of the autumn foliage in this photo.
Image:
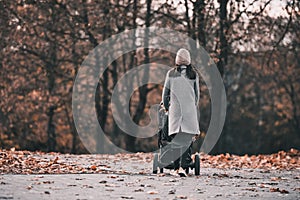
(44, 43)
(26, 162)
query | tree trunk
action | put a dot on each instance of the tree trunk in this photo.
(222, 61)
(51, 81)
(187, 18)
(51, 130)
(223, 56)
(200, 5)
(130, 140)
(143, 90)
(101, 102)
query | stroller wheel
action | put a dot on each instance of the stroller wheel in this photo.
(155, 163)
(197, 165)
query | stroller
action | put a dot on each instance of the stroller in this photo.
(171, 156)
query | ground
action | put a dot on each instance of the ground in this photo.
(37, 175)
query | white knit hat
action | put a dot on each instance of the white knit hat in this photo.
(183, 57)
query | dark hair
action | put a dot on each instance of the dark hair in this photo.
(190, 72)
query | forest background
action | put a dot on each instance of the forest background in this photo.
(255, 45)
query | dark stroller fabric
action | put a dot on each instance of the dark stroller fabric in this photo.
(183, 142)
(163, 135)
(175, 148)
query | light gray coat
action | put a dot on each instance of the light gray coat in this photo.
(182, 96)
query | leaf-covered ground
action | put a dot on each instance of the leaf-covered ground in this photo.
(38, 175)
(26, 162)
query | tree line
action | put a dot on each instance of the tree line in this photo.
(43, 44)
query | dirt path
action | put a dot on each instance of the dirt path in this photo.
(130, 177)
(212, 184)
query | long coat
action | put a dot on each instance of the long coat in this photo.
(180, 96)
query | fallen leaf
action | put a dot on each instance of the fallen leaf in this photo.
(275, 178)
(262, 185)
(112, 176)
(139, 190)
(87, 186)
(55, 166)
(181, 197)
(251, 189)
(127, 197)
(110, 185)
(29, 187)
(279, 190)
(55, 160)
(102, 182)
(172, 191)
(284, 191)
(152, 192)
(48, 182)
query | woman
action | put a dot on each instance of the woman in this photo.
(180, 98)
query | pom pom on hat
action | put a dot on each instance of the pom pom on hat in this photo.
(183, 57)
